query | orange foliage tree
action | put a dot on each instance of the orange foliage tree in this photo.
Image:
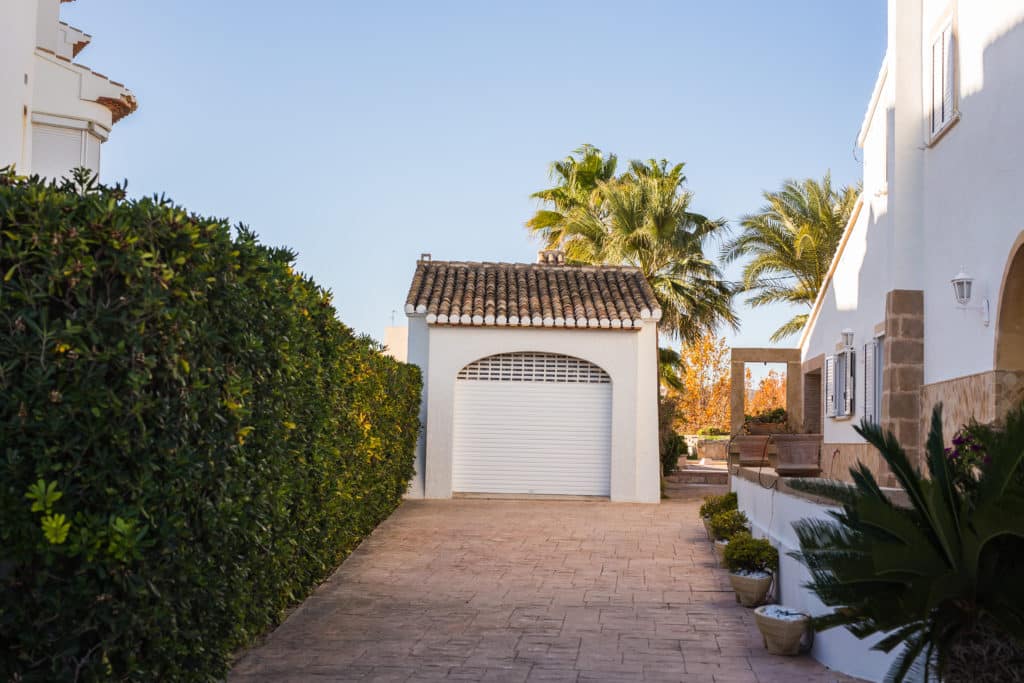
(769, 394)
(704, 399)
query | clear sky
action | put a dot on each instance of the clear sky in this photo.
(364, 133)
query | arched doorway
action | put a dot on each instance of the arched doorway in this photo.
(1009, 351)
(534, 423)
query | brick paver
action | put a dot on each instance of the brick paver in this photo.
(501, 590)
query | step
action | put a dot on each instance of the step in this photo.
(699, 476)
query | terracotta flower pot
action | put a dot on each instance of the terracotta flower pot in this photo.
(750, 590)
(720, 551)
(781, 636)
(797, 455)
(753, 449)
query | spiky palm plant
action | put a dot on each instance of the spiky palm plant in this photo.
(791, 240)
(940, 579)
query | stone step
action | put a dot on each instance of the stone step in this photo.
(700, 476)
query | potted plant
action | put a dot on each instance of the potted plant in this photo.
(797, 455)
(712, 505)
(752, 563)
(782, 628)
(724, 526)
(769, 422)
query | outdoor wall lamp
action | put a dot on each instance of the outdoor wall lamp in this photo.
(963, 285)
(848, 338)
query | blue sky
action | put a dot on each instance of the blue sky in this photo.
(362, 134)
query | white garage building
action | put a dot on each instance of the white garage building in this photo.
(539, 379)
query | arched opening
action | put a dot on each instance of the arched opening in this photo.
(532, 423)
(1009, 351)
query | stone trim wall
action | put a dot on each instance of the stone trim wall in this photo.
(903, 370)
(985, 397)
(838, 458)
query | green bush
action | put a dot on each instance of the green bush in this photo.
(673, 448)
(746, 553)
(726, 524)
(190, 439)
(712, 505)
(712, 431)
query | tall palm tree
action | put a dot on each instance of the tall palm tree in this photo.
(792, 240)
(576, 179)
(643, 219)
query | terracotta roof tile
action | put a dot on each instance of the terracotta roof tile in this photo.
(530, 295)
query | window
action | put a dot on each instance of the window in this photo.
(943, 80)
(839, 384)
(873, 380)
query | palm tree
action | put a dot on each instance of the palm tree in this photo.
(670, 369)
(643, 219)
(576, 179)
(792, 240)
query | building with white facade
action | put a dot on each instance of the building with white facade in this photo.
(539, 379)
(924, 300)
(943, 153)
(55, 113)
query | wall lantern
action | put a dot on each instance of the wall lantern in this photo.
(848, 338)
(963, 288)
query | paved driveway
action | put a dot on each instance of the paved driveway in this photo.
(501, 590)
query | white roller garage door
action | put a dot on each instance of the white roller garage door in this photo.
(532, 423)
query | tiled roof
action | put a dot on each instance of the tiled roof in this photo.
(530, 295)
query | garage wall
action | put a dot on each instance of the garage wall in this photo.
(628, 356)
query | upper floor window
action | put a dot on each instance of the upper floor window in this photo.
(943, 80)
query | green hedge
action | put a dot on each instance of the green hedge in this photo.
(210, 440)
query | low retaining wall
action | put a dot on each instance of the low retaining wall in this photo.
(772, 513)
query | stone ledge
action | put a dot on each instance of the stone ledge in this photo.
(769, 478)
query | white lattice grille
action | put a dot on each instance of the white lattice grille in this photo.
(534, 367)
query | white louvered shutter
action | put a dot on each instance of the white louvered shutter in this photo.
(869, 381)
(850, 383)
(936, 86)
(830, 386)
(948, 73)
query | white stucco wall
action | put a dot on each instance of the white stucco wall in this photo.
(772, 515)
(944, 204)
(17, 43)
(628, 356)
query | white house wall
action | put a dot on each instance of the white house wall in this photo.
(17, 44)
(629, 357)
(772, 514)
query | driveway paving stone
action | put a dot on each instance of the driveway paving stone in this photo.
(528, 590)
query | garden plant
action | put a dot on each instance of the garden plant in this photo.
(191, 440)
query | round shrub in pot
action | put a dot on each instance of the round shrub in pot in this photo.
(724, 526)
(752, 563)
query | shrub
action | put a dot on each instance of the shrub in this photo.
(746, 553)
(712, 431)
(673, 447)
(727, 524)
(712, 505)
(775, 416)
(191, 440)
(938, 580)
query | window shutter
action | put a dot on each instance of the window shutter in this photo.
(869, 381)
(830, 386)
(936, 85)
(948, 73)
(850, 384)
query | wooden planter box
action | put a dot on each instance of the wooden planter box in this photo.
(797, 455)
(753, 450)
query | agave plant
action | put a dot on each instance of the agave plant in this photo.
(941, 578)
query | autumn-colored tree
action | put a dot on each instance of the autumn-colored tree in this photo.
(769, 394)
(704, 398)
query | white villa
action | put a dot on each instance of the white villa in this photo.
(924, 300)
(54, 112)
